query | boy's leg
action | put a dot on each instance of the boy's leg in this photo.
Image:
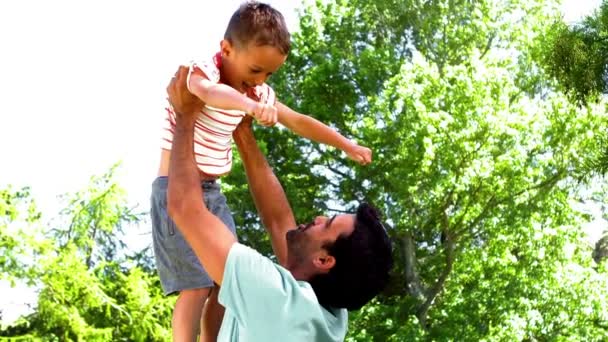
(187, 314)
(214, 312)
(178, 267)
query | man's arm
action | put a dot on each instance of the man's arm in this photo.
(310, 128)
(267, 192)
(207, 235)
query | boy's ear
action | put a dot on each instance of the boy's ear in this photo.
(226, 47)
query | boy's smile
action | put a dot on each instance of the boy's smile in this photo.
(246, 67)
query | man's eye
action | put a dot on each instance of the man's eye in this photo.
(254, 71)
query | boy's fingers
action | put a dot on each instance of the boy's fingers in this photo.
(367, 158)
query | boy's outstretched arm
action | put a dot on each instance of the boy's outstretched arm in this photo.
(206, 234)
(267, 192)
(310, 128)
(225, 97)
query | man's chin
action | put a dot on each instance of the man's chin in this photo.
(291, 235)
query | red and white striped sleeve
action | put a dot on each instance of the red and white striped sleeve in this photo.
(208, 69)
(265, 94)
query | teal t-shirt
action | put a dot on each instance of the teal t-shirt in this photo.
(264, 302)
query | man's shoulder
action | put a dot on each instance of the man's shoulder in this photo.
(245, 259)
(301, 292)
(267, 300)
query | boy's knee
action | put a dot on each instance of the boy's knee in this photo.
(195, 293)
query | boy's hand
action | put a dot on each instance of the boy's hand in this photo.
(266, 115)
(360, 154)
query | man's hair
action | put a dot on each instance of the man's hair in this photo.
(363, 262)
(258, 23)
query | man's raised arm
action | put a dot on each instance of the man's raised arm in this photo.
(207, 235)
(267, 192)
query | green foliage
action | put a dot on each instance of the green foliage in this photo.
(578, 56)
(88, 289)
(477, 161)
(17, 213)
(96, 217)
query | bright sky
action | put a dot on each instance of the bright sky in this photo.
(82, 85)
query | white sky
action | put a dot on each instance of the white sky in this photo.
(82, 86)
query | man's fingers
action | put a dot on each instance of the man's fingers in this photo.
(182, 75)
(177, 77)
(247, 120)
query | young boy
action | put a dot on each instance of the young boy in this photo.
(231, 85)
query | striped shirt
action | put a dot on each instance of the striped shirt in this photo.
(213, 128)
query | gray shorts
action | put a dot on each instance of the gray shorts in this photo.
(177, 265)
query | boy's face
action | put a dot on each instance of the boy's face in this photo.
(249, 66)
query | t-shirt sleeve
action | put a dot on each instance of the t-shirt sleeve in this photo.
(271, 98)
(257, 291)
(206, 69)
(265, 94)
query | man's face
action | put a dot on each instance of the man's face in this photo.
(305, 243)
(246, 67)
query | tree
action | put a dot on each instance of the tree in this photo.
(89, 288)
(17, 212)
(477, 160)
(578, 56)
(600, 252)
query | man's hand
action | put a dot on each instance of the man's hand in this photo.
(360, 154)
(265, 114)
(243, 128)
(184, 103)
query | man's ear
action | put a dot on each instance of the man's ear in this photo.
(324, 261)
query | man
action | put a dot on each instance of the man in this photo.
(326, 267)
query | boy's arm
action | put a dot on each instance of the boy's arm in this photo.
(206, 234)
(225, 97)
(218, 95)
(267, 192)
(310, 128)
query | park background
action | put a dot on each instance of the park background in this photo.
(487, 120)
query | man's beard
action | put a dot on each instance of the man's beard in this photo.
(297, 240)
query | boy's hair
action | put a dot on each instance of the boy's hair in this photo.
(258, 23)
(363, 262)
